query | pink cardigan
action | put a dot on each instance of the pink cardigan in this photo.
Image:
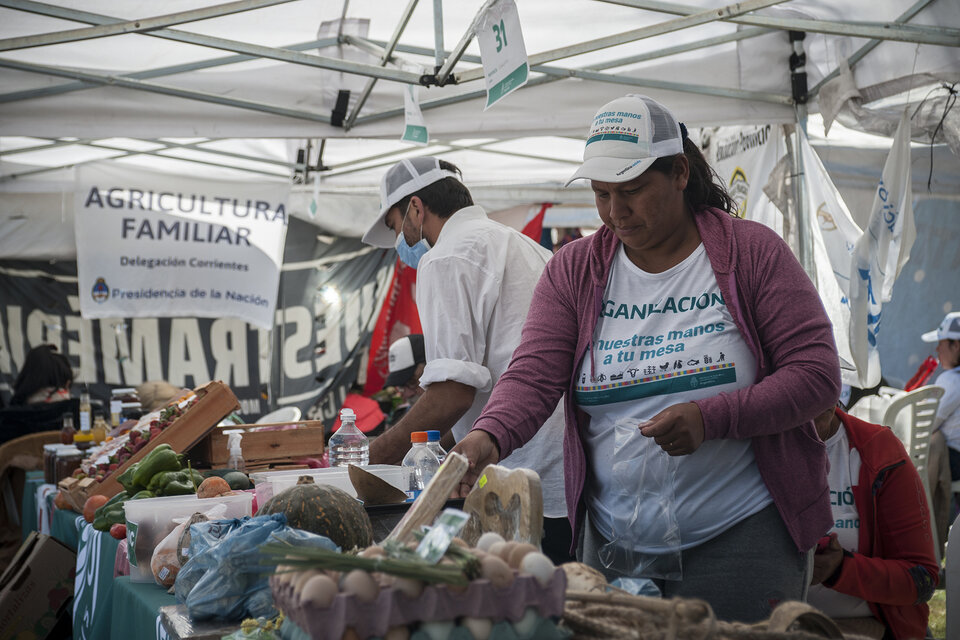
(779, 314)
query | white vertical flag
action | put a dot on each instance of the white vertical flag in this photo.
(880, 253)
(834, 234)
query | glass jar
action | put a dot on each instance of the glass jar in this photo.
(68, 461)
(50, 462)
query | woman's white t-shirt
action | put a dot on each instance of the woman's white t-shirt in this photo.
(663, 339)
(844, 475)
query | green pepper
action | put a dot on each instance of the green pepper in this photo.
(178, 488)
(162, 479)
(140, 495)
(126, 478)
(162, 458)
(106, 517)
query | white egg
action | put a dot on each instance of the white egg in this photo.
(526, 625)
(397, 633)
(320, 590)
(361, 584)
(409, 587)
(479, 628)
(539, 566)
(488, 539)
(439, 630)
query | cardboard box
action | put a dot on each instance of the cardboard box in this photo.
(36, 590)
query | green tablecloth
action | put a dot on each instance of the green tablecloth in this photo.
(94, 584)
(65, 527)
(28, 517)
(136, 610)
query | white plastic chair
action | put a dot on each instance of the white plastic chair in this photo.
(283, 414)
(911, 417)
(952, 577)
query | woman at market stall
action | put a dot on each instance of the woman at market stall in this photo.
(694, 353)
(876, 570)
(46, 376)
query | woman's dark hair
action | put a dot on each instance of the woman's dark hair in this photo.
(444, 197)
(704, 188)
(43, 367)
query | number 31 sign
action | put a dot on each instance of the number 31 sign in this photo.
(502, 51)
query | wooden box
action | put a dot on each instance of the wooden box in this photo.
(264, 444)
(203, 415)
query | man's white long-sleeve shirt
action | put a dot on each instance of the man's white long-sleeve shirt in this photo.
(473, 291)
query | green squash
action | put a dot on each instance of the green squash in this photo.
(324, 510)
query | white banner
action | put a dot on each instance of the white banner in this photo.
(833, 233)
(880, 253)
(154, 245)
(743, 157)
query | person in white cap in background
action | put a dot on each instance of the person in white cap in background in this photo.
(694, 353)
(406, 363)
(947, 337)
(475, 279)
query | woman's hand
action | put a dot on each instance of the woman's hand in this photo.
(480, 449)
(827, 559)
(678, 430)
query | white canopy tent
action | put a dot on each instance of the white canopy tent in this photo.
(248, 90)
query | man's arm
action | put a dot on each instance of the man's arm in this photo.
(439, 408)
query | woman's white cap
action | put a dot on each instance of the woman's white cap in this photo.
(949, 329)
(627, 135)
(402, 179)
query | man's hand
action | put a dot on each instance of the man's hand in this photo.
(678, 429)
(827, 559)
(480, 449)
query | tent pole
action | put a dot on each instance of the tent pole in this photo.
(438, 34)
(798, 82)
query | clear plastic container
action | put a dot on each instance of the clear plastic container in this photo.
(433, 443)
(150, 520)
(269, 484)
(348, 445)
(421, 462)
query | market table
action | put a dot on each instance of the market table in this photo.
(29, 511)
(64, 524)
(94, 583)
(136, 610)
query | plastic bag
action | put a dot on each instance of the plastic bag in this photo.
(646, 537)
(224, 577)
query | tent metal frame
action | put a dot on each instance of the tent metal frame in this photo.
(741, 14)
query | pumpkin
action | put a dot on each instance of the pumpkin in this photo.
(324, 510)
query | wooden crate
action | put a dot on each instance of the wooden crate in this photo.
(186, 431)
(263, 447)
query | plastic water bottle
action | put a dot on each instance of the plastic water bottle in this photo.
(421, 462)
(348, 445)
(433, 443)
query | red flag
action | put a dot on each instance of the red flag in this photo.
(534, 226)
(398, 317)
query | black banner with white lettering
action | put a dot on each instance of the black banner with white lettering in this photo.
(329, 294)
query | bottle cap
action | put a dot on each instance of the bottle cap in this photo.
(347, 414)
(418, 436)
(433, 435)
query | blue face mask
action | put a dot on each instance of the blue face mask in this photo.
(408, 255)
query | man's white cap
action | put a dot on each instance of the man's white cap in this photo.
(402, 179)
(627, 135)
(949, 329)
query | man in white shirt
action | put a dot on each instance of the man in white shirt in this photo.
(475, 280)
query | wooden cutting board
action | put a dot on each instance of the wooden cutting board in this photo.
(508, 502)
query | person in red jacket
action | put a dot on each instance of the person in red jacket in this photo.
(876, 570)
